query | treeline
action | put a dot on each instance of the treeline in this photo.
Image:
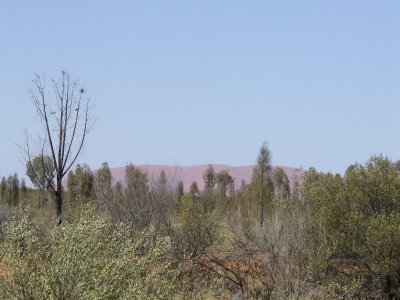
(12, 190)
(323, 236)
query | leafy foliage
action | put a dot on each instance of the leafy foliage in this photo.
(41, 171)
(356, 217)
(323, 236)
(87, 260)
(196, 231)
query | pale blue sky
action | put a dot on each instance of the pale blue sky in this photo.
(194, 82)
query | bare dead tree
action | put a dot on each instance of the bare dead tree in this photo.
(63, 111)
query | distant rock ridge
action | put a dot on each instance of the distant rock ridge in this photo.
(189, 174)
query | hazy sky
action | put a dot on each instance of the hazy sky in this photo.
(194, 82)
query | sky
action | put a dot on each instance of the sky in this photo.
(195, 82)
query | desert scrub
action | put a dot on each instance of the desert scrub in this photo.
(90, 259)
(21, 263)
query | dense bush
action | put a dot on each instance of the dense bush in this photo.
(357, 218)
(196, 230)
(86, 260)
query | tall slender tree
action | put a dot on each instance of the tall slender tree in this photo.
(260, 175)
(23, 191)
(63, 110)
(103, 185)
(208, 196)
(179, 191)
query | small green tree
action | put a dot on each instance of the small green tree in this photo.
(103, 185)
(162, 198)
(209, 178)
(261, 171)
(81, 190)
(224, 181)
(261, 187)
(179, 191)
(194, 189)
(137, 186)
(281, 183)
(132, 200)
(40, 171)
(208, 196)
(85, 181)
(196, 230)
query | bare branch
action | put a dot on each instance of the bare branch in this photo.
(61, 132)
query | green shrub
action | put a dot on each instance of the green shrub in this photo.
(196, 229)
(87, 260)
(356, 218)
(21, 262)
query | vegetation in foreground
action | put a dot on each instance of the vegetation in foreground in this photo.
(322, 236)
